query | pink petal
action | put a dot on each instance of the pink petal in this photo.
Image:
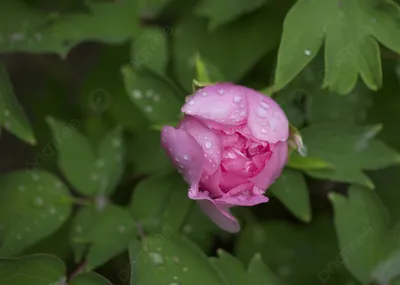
(273, 167)
(223, 103)
(211, 184)
(266, 121)
(186, 153)
(207, 139)
(220, 215)
(242, 200)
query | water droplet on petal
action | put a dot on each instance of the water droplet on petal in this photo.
(221, 92)
(261, 112)
(204, 94)
(192, 102)
(264, 105)
(156, 258)
(273, 124)
(237, 99)
(209, 145)
(242, 113)
(186, 157)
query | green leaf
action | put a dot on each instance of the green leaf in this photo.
(12, 117)
(106, 232)
(284, 246)
(291, 189)
(361, 228)
(89, 278)
(234, 272)
(350, 149)
(155, 97)
(150, 50)
(307, 163)
(206, 72)
(161, 201)
(37, 269)
(224, 11)
(33, 205)
(350, 31)
(169, 259)
(152, 8)
(221, 46)
(92, 172)
(147, 155)
(40, 32)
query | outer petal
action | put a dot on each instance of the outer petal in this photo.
(186, 153)
(207, 139)
(266, 120)
(241, 200)
(273, 167)
(220, 215)
(223, 103)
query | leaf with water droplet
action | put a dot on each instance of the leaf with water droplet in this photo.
(183, 262)
(12, 116)
(36, 269)
(160, 201)
(104, 233)
(160, 102)
(349, 149)
(30, 209)
(92, 171)
(41, 32)
(350, 31)
(89, 278)
(291, 189)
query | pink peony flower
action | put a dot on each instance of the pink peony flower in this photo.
(230, 147)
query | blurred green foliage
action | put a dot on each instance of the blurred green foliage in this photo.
(97, 202)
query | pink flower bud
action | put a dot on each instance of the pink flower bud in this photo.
(230, 147)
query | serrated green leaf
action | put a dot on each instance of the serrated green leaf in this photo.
(291, 189)
(283, 247)
(37, 269)
(40, 32)
(154, 96)
(168, 259)
(89, 278)
(106, 232)
(12, 117)
(350, 32)
(361, 229)
(150, 50)
(350, 149)
(33, 205)
(221, 46)
(160, 201)
(225, 11)
(234, 272)
(92, 171)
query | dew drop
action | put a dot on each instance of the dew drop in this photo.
(273, 124)
(148, 109)
(136, 94)
(186, 157)
(192, 102)
(242, 113)
(38, 201)
(307, 52)
(231, 154)
(261, 112)
(156, 258)
(264, 105)
(209, 145)
(237, 99)
(221, 92)
(184, 269)
(204, 94)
